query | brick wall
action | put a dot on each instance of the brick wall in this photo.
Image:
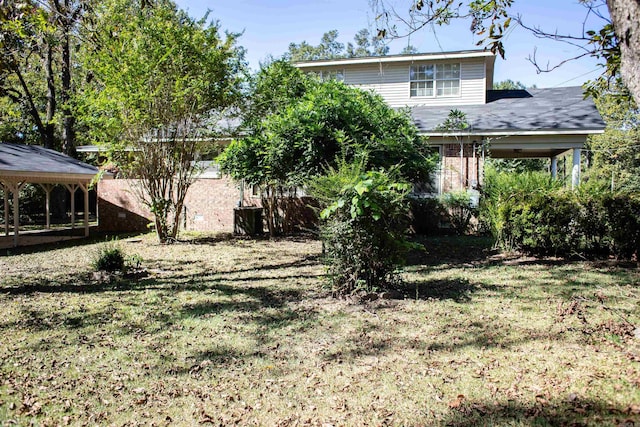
(455, 177)
(208, 206)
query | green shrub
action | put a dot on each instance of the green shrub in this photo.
(363, 228)
(110, 258)
(535, 215)
(623, 216)
(426, 215)
(460, 209)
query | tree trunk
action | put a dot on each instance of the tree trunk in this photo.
(51, 97)
(625, 15)
(68, 121)
(33, 110)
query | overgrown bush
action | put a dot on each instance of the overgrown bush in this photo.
(109, 258)
(460, 209)
(426, 215)
(536, 215)
(364, 224)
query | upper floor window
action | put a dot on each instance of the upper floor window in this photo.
(325, 75)
(434, 80)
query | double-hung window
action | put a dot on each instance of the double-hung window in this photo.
(429, 80)
(334, 74)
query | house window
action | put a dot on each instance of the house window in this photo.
(434, 80)
(326, 75)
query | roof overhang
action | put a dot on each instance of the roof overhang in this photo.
(523, 145)
(44, 178)
(397, 58)
(510, 133)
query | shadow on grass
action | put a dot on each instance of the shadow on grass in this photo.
(141, 281)
(572, 411)
(451, 250)
(95, 237)
(458, 289)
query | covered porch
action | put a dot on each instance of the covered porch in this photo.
(26, 164)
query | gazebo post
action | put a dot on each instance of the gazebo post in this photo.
(16, 211)
(5, 191)
(47, 189)
(85, 191)
(72, 189)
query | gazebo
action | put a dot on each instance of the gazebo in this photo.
(31, 164)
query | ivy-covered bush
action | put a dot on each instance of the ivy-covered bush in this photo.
(364, 226)
(533, 214)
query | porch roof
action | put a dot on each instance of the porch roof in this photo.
(35, 164)
(562, 110)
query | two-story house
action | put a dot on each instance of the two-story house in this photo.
(536, 123)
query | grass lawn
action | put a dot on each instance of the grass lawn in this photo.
(224, 332)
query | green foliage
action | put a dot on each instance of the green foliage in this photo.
(364, 44)
(162, 81)
(319, 123)
(456, 120)
(363, 226)
(427, 214)
(532, 213)
(109, 258)
(461, 208)
(511, 85)
(519, 165)
(614, 154)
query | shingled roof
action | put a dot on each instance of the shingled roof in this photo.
(32, 163)
(555, 110)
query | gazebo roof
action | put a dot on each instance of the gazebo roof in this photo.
(35, 164)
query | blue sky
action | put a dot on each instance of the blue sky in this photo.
(270, 25)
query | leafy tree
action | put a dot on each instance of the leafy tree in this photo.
(455, 123)
(511, 85)
(36, 53)
(26, 54)
(162, 81)
(300, 136)
(331, 48)
(366, 45)
(614, 154)
(617, 41)
(409, 50)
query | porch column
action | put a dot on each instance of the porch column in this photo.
(554, 167)
(575, 171)
(85, 191)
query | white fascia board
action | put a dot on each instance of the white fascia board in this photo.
(45, 177)
(516, 133)
(394, 59)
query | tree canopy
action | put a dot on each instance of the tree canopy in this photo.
(162, 80)
(302, 126)
(365, 44)
(318, 123)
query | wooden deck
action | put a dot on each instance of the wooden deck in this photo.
(43, 236)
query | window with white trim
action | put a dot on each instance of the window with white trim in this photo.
(325, 75)
(429, 80)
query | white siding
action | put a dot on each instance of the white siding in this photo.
(391, 80)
